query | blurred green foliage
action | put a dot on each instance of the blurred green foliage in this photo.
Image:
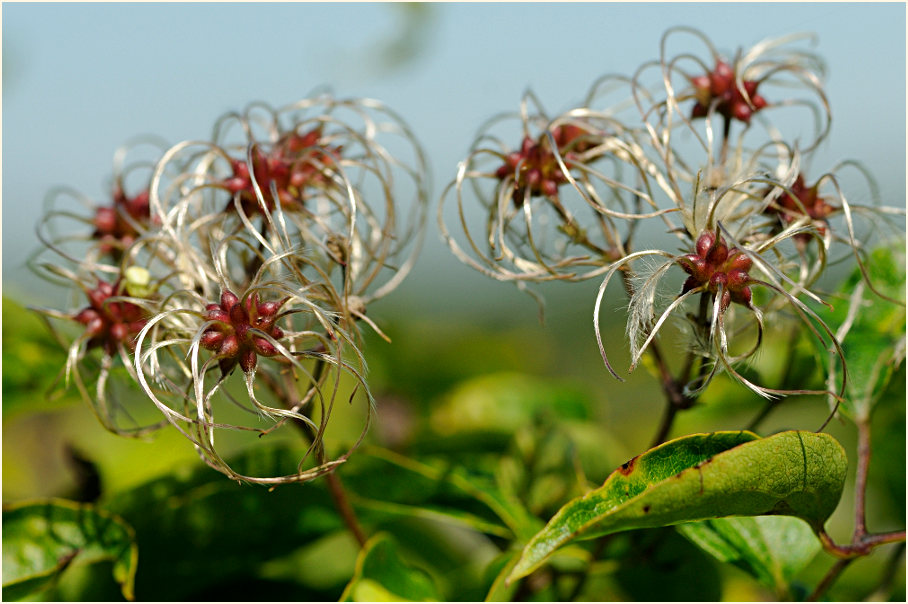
(483, 433)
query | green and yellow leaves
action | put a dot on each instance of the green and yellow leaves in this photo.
(703, 476)
(41, 539)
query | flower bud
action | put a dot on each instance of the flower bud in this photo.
(216, 314)
(718, 253)
(718, 279)
(738, 261)
(268, 309)
(248, 360)
(119, 332)
(742, 112)
(228, 299)
(704, 242)
(238, 314)
(264, 347)
(229, 346)
(722, 79)
(737, 279)
(742, 296)
(211, 339)
(105, 220)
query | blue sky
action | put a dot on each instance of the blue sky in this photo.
(81, 79)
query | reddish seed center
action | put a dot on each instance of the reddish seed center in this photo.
(110, 324)
(289, 166)
(537, 166)
(234, 336)
(714, 266)
(720, 88)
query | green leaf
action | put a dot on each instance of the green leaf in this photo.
(871, 330)
(501, 590)
(236, 529)
(773, 549)
(504, 402)
(32, 361)
(382, 576)
(221, 530)
(703, 476)
(420, 482)
(41, 539)
(658, 564)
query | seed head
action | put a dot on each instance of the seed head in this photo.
(235, 335)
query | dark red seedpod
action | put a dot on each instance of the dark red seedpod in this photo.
(802, 201)
(536, 165)
(237, 335)
(715, 266)
(110, 323)
(290, 165)
(116, 224)
(719, 88)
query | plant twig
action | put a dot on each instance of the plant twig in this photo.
(829, 579)
(860, 479)
(859, 546)
(342, 503)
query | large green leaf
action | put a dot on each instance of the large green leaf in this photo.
(41, 539)
(382, 576)
(774, 549)
(703, 476)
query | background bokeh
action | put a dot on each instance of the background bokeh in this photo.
(81, 79)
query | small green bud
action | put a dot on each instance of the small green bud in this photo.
(137, 282)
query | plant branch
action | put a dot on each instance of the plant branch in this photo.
(335, 487)
(859, 546)
(860, 480)
(829, 579)
(342, 503)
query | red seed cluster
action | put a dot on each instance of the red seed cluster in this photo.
(112, 227)
(538, 167)
(719, 85)
(714, 265)
(233, 337)
(292, 164)
(790, 207)
(110, 323)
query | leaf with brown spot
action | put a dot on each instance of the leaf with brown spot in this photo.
(703, 476)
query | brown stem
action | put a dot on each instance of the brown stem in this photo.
(673, 388)
(859, 546)
(342, 503)
(860, 479)
(829, 579)
(336, 488)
